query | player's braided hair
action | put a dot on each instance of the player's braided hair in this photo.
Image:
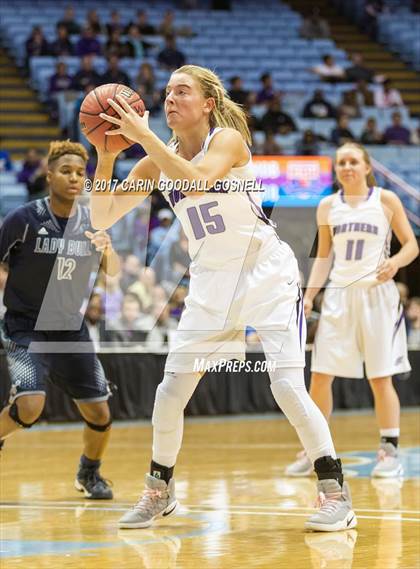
(59, 148)
(370, 178)
(226, 113)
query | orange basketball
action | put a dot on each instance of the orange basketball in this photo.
(96, 102)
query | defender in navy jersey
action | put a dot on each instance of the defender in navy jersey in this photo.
(362, 319)
(52, 252)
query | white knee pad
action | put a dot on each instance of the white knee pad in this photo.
(291, 395)
(172, 395)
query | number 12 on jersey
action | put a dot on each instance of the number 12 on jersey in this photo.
(201, 219)
(354, 253)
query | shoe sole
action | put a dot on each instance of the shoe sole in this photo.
(349, 522)
(393, 474)
(169, 511)
(80, 488)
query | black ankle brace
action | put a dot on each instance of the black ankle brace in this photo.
(328, 467)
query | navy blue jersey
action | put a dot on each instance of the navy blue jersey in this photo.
(51, 264)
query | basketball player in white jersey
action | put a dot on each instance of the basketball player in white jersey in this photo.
(241, 273)
(362, 318)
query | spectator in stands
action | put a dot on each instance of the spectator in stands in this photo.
(170, 57)
(266, 93)
(328, 70)
(88, 44)
(270, 146)
(62, 45)
(158, 234)
(358, 71)
(95, 322)
(386, 96)
(36, 44)
(130, 272)
(144, 288)
(5, 161)
(133, 325)
(158, 335)
(136, 46)
(146, 87)
(112, 297)
(142, 24)
(318, 107)
(60, 80)
(341, 132)
(308, 145)
(114, 74)
(372, 10)
(413, 321)
(275, 120)
(356, 99)
(177, 302)
(314, 26)
(69, 21)
(397, 133)
(371, 134)
(236, 92)
(86, 75)
(179, 259)
(114, 23)
(167, 26)
(37, 183)
(94, 23)
(114, 45)
(30, 165)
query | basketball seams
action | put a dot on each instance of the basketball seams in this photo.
(97, 98)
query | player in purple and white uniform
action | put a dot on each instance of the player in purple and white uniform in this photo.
(241, 274)
(362, 317)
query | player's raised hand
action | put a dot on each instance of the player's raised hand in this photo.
(387, 270)
(130, 123)
(100, 239)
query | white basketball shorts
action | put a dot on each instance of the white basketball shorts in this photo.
(361, 324)
(263, 293)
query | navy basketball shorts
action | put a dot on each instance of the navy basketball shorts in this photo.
(69, 361)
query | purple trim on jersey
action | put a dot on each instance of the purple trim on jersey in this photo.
(398, 323)
(259, 212)
(299, 315)
(341, 192)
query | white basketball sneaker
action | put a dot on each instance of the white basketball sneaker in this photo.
(301, 467)
(388, 463)
(335, 511)
(157, 501)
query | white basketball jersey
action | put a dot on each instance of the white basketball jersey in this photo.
(222, 225)
(361, 239)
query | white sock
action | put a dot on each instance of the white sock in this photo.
(389, 432)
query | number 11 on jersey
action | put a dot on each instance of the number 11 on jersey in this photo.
(354, 253)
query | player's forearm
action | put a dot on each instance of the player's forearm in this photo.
(111, 262)
(172, 165)
(407, 253)
(101, 201)
(318, 277)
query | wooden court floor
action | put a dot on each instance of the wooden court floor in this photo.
(239, 511)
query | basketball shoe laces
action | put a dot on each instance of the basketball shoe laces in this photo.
(328, 503)
(382, 455)
(147, 499)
